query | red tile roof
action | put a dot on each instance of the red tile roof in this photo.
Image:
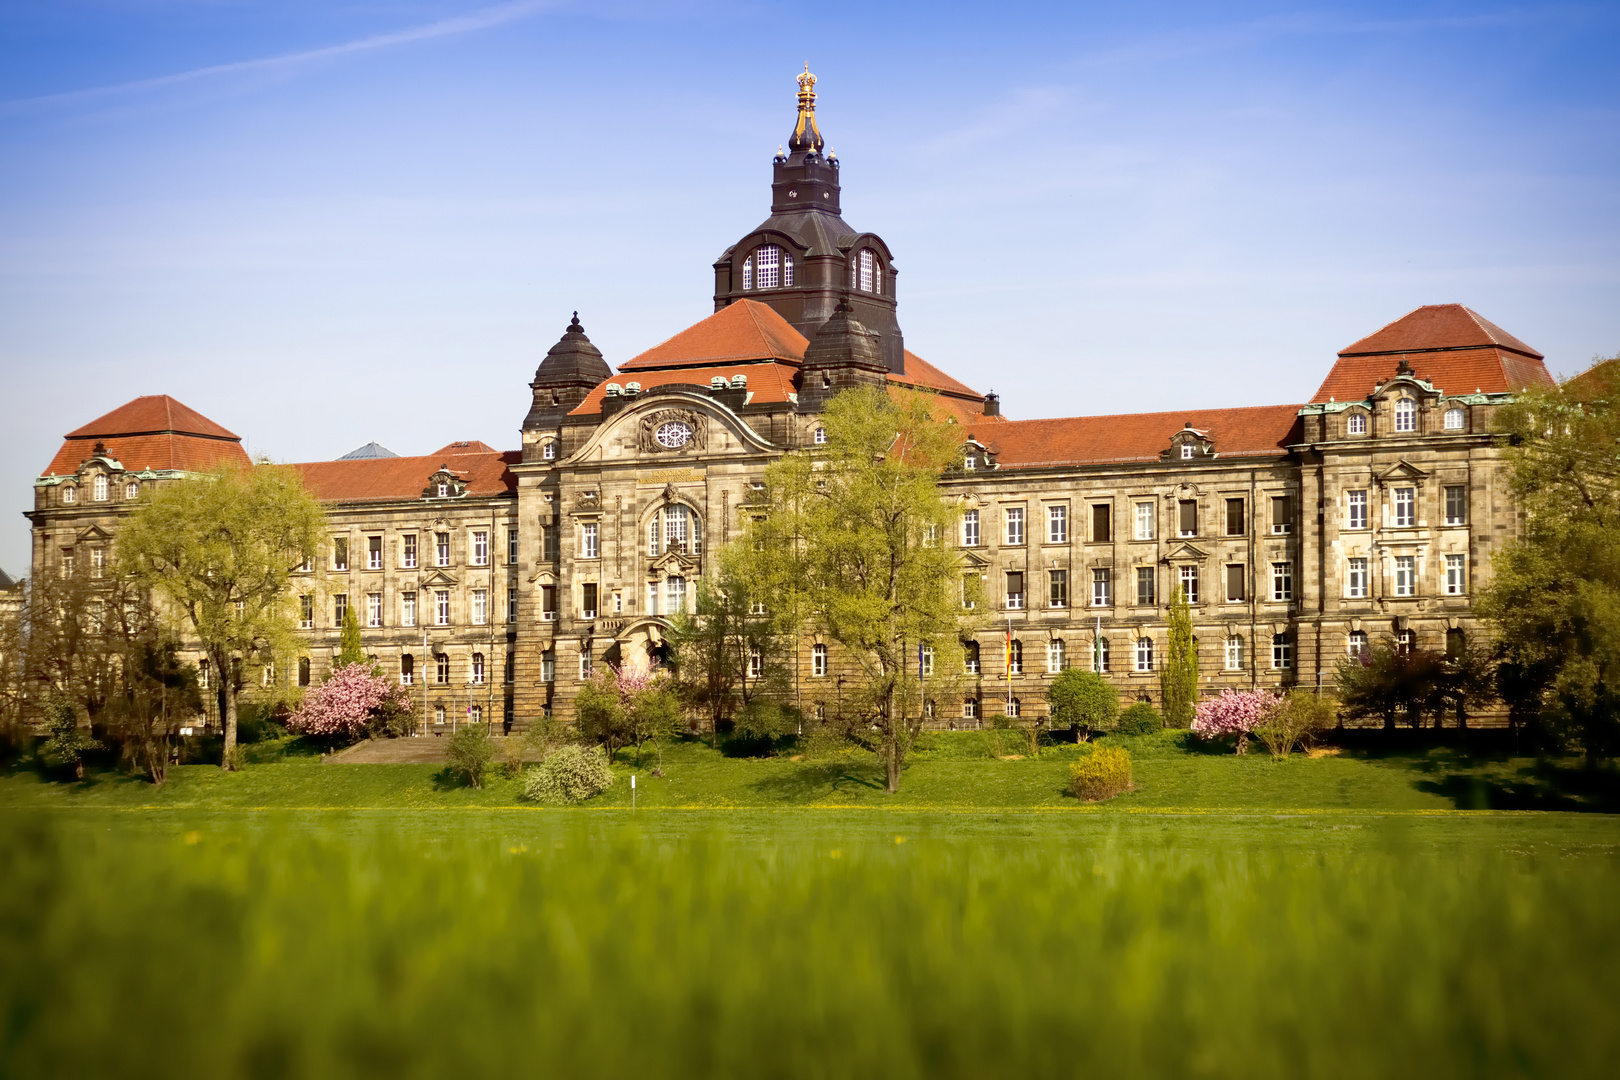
(471, 447)
(1445, 344)
(1264, 430)
(150, 433)
(486, 472)
(745, 330)
(1437, 326)
(767, 382)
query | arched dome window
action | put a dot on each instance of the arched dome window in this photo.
(1454, 419)
(674, 528)
(769, 267)
(866, 272)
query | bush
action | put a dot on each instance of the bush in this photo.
(1101, 774)
(354, 700)
(572, 774)
(1140, 719)
(1297, 721)
(1233, 712)
(1082, 699)
(469, 754)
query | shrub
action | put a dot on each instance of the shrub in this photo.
(1140, 719)
(1296, 721)
(766, 720)
(469, 753)
(1234, 712)
(1082, 699)
(572, 774)
(353, 700)
(1101, 774)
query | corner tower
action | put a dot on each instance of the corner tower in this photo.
(804, 259)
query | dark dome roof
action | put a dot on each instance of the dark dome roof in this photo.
(572, 360)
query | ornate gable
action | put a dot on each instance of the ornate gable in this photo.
(444, 484)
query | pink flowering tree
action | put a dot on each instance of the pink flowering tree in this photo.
(618, 708)
(354, 700)
(1235, 712)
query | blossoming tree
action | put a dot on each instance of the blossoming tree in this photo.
(1235, 712)
(353, 700)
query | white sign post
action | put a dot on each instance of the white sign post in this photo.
(632, 794)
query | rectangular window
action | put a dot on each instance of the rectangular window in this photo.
(1405, 507)
(407, 669)
(1057, 588)
(1146, 580)
(548, 542)
(480, 607)
(1057, 524)
(1015, 657)
(1235, 575)
(374, 609)
(1235, 517)
(340, 609)
(548, 666)
(970, 528)
(407, 609)
(1102, 523)
(1015, 526)
(306, 612)
(970, 591)
(1144, 654)
(1054, 656)
(1144, 521)
(970, 657)
(654, 531)
(373, 553)
(674, 596)
(1456, 505)
(818, 661)
(756, 662)
(1234, 653)
(1282, 581)
(587, 600)
(407, 552)
(441, 607)
(1282, 514)
(441, 668)
(1188, 576)
(98, 562)
(588, 547)
(1456, 575)
(99, 487)
(1282, 652)
(340, 553)
(512, 546)
(1356, 581)
(586, 666)
(1099, 655)
(1099, 587)
(1405, 575)
(441, 548)
(1015, 590)
(1187, 517)
(511, 600)
(927, 660)
(1356, 502)
(480, 547)
(548, 603)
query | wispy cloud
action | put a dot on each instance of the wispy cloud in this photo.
(481, 19)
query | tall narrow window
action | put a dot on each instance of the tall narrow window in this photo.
(340, 608)
(1144, 521)
(98, 562)
(768, 267)
(867, 273)
(1102, 523)
(1405, 507)
(970, 591)
(1015, 590)
(480, 547)
(1055, 660)
(1235, 517)
(1356, 580)
(1015, 657)
(132, 490)
(675, 596)
(1234, 653)
(818, 661)
(548, 451)
(1015, 526)
(1144, 654)
(1456, 575)
(407, 609)
(970, 528)
(748, 272)
(587, 549)
(1282, 514)
(1100, 582)
(480, 607)
(1188, 576)
(407, 669)
(1235, 580)
(1356, 644)
(587, 600)
(548, 666)
(1406, 415)
(1146, 593)
(1057, 588)
(441, 548)
(787, 269)
(1187, 517)
(1282, 581)
(1405, 575)
(1057, 524)
(1099, 655)
(676, 519)
(970, 657)
(478, 667)
(373, 553)
(1405, 641)
(653, 534)
(441, 607)
(441, 669)
(1282, 652)
(1456, 505)
(99, 488)
(548, 603)
(306, 612)
(756, 662)
(374, 609)
(1356, 504)
(512, 536)
(407, 552)
(511, 600)
(340, 553)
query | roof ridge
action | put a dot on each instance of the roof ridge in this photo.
(1160, 412)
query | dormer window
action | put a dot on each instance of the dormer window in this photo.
(444, 490)
(132, 490)
(1186, 451)
(1356, 425)
(867, 273)
(1454, 419)
(768, 268)
(99, 488)
(549, 451)
(1406, 415)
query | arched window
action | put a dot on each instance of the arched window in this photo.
(99, 486)
(132, 489)
(70, 494)
(772, 268)
(303, 671)
(1406, 415)
(1357, 424)
(748, 272)
(1054, 656)
(1144, 654)
(1454, 419)
(407, 669)
(548, 450)
(1234, 653)
(478, 667)
(867, 272)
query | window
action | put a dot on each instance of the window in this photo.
(970, 657)
(1054, 656)
(407, 553)
(1057, 588)
(132, 490)
(1406, 415)
(1099, 587)
(548, 540)
(478, 667)
(1099, 655)
(441, 548)
(676, 520)
(1356, 644)
(99, 488)
(438, 715)
(374, 609)
(441, 607)
(511, 600)
(587, 549)
(1405, 641)
(1144, 654)
(480, 607)
(1187, 517)
(1356, 502)
(1015, 526)
(869, 272)
(968, 464)
(340, 608)
(1057, 524)
(441, 669)
(512, 546)
(70, 495)
(1405, 504)
(1405, 575)
(1282, 652)
(1186, 451)
(1282, 581)
(970, 528)
(1015, 657)
(587, 600)
(548, 666)
(818, 661)
(653, 533)
(407, 609)
(1234, 583)
(444, 490)
(1234, 517)
(267, 677)
(970, 708)
(756, 662)
(748, 272)
(548, 451)
(548, 603)
(1356, 580)
(307, 565)
(1188, 576)
(1102, 524)
(98, 562)
(1144, 521)
(306, 612)
(586, 665)
(1456, 505)
(970, 591)
(1454, 420)
(340, 553)
(1282, 514)
(819, 436)
(674, 596)
(1015, 590)
(1456, 575)
(407, 669)
(768, 267)
(1456, 644)
(202, 674)
(1356, 425)
(480, 547)
(1146, 593)
(1013, 707)
(475, 714)
(1234, 653)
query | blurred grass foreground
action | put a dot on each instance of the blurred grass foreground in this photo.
(273, 947)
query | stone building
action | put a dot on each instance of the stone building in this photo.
(492, 582)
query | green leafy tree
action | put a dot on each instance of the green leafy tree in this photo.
(737, 645)
(468, 752)
(1178, 678)
(1555, 592)
(219, 549)
(350, 648)
(1082, 699)
(1394, 685)
(66, 741)
(855, 531)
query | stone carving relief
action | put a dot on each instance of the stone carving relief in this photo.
(672, 430)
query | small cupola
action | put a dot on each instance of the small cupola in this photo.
(570, 370)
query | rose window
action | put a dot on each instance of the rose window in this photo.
(673, 434)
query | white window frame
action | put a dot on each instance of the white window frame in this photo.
(1406, 414)
(480, 607)
(819, 436)
(1356, 509)
(407, 551)
(1356, 579)
(1456, 575)
(1055, 656)
(1144, 654)
(768, 267)
(818, 661)
(1282, 652)
(441, 607)
(674, 595)
(132, 489)
(1404, 507)
(1234, 653)
(477, 669)
(407, 609)
(1282, 581)
(441, 549)
(374, 617)
(970, 528)
(480, 547)
(588, 548)
(1187, 578)
(1454, 419)
(1186, 451)
(1445, 494)
(1057, 524)
(1099, 655)
(1101, 586)
(1356, 425)
(1146, 518)
(1015, 526)
(927, 660)
(1406, 575)
(1355, 643)
(99, 489)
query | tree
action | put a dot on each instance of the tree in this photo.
(735, 647)
(65, 742)
(1555, 594)
(1295, 721)
(1234, 712)
(1394, 684)
(220, 549)
(350, 648)
(856, 530)
(1082, 699)
(1178, 678)
(354, 699)
(620, 708)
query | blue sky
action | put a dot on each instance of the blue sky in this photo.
(326, 223)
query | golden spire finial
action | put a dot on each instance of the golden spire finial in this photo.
(805, 134)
